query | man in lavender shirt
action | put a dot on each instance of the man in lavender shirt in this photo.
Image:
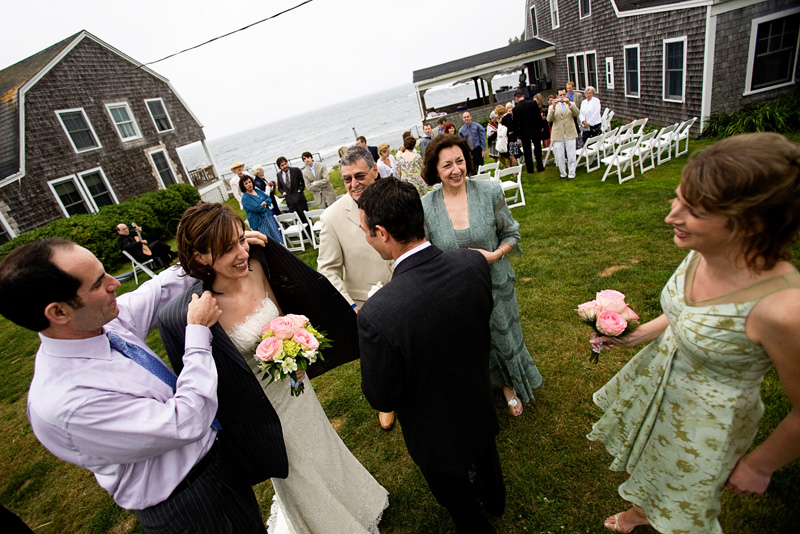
(95, 405)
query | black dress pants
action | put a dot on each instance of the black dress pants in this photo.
(461, 496)
(212, 499)
(526, 151)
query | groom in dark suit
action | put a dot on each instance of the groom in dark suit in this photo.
(425, 355)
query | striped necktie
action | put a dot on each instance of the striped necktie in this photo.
(148, 361)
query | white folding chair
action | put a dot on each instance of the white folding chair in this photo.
(312, 216)
(137, 265)
(515, 184)
(605, 122)
(620, 161)
(489, 168)
(609, 142)
(682, 134)
(662, 143)
(591, 152)
(631, 131)
(644, 152)
(481, 177)
(292, 231)
(546, 152)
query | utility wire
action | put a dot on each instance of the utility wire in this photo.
(137, 67)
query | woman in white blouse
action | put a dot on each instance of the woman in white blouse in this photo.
(590, 116)
(387, 165)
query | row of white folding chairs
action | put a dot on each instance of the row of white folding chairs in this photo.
(296, 234)
(512, 187)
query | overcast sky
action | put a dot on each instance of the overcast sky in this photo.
(324, 52)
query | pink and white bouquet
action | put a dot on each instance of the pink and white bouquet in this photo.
(289, 344)
(610, 316)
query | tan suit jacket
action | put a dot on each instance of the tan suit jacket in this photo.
(345, 258)
(563, 122)
(323, 191)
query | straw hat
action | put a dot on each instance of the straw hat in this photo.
(236, 165)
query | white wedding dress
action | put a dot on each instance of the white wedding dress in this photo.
(327, 490)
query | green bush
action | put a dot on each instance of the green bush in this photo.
(781, 115)
(157, 212)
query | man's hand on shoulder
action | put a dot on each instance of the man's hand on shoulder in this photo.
(255, 238)
(203, 310)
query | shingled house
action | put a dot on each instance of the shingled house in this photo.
(670, 60)
(82, 125)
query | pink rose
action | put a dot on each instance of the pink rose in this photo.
(588, 310)
(611, 300)
(268, 349)
(299, 321)
(305, 339)
(610, 323)
(282, 327)
(629, 315)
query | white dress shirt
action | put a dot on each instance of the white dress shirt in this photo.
(93, 407)
(590, 112)
(385, 171)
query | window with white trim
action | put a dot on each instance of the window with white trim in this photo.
(534, 23)
(632, 71)
(772, 58)
(163, 167)
(584, 8)
(85, 192)
(554, 14)
(78, 129)
(123, 119)
(6, 234)
(158, 112)
(582, 69)
(674, 69)
(609, 73)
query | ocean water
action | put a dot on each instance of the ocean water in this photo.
(380, 117)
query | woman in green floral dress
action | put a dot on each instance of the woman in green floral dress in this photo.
(681, 415)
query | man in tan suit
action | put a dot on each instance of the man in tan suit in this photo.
(315, 175)
(345, 258)
(562, 113)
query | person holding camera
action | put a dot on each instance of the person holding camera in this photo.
(562, 113)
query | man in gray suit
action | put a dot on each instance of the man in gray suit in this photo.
(315, 175)
(420, 318)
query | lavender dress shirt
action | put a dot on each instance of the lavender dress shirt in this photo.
(93, 407)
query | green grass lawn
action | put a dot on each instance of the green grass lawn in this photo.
(577, 238)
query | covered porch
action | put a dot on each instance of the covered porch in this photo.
(531, 56)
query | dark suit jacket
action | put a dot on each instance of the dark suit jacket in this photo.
(295, 199)
(251, 429)
(374, 151)
(129, 244)
(528, 119)
(424, 341)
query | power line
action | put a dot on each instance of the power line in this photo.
(137, 67)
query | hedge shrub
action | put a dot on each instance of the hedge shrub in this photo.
(158, 212)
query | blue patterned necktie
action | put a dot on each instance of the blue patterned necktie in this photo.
(148, 361)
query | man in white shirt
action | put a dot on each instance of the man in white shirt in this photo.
(102, 400)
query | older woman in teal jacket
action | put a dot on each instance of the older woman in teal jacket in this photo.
(473, 214)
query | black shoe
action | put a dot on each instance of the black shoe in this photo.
(562, 178)
(539, 169)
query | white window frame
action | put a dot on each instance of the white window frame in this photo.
(535, 20)
(169, 118)
(638, 69)
(82, 189)
(554, 19)
(609, 72)
(581, 14)
(596, 72)
(751, 53)
(664, 70)
(105, 181)
(138, 132)
(155, 167)
(88, 123)
(7, 227)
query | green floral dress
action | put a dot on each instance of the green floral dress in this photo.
(682, 411)
(490, 223)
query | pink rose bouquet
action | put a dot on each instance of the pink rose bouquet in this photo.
(610, 316)
(289, 344)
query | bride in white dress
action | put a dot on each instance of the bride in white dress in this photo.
(327, 490)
